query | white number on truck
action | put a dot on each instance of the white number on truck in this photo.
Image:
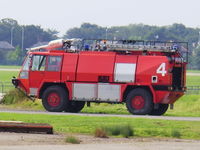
(162, 69)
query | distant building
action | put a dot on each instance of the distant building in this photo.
(5, 46)
(5, 49)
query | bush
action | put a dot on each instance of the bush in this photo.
(116, 130)
(175, 133)
(101, 133)
(124, 130)
(73, 140)
(127, 131)
(13, 96)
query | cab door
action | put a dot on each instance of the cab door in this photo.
(53, 68)
(36, 73)
(44, 69)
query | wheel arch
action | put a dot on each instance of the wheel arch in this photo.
(48, 84)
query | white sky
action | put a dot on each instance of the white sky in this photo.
(64, 14)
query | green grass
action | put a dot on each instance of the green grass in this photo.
(175, 133)
(72, 139)
(5, 80)
(193, 80)
(9, 67)
(188, 105)
(6, 76)
(120, 130)
(87, 124)
(105, 108)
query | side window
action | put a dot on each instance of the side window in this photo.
(54, 63)
(38, 63)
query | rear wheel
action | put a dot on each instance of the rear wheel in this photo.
(54, 99)
(75, 106)
(139, 102)
(162, 108)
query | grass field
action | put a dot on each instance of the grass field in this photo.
(6, 76)
(188, 106)
(193, 80)
(87, 125)
(9, 67)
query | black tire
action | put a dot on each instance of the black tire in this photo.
(139, 102)
(54, 99)
(75, 106)
(162, 108)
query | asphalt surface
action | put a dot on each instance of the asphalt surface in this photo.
(103, 115)
(23, 141)
(7, 69)
(113, 146)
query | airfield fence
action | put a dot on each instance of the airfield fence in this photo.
(193, 90)
(5, 87)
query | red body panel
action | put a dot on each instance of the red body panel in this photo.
(35, 78)
(167, 97)
(147, 67)
(91, 65)
(126, 59)
(24, 85)
(69, 67)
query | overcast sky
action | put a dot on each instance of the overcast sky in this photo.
(64, 14)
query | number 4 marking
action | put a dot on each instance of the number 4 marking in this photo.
(162, 69)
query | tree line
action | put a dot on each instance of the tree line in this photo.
(21, 37)
(33, 34)
(175, 32)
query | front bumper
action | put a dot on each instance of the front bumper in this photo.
(15, 82)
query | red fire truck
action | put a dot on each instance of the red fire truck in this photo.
(65, 74)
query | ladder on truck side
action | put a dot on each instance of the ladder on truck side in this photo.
(137, 45)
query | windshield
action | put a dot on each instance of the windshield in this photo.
(27, 63)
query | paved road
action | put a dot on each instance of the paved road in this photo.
(7, 69)
(193, 74)
(103, 115)
(113, 146)
(22, 141)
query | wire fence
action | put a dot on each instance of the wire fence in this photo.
(6, 86)
(193, 90)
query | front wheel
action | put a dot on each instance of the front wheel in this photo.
(54, 99)
(139, 102)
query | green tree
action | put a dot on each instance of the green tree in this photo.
(14, 57)
(86, 31)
